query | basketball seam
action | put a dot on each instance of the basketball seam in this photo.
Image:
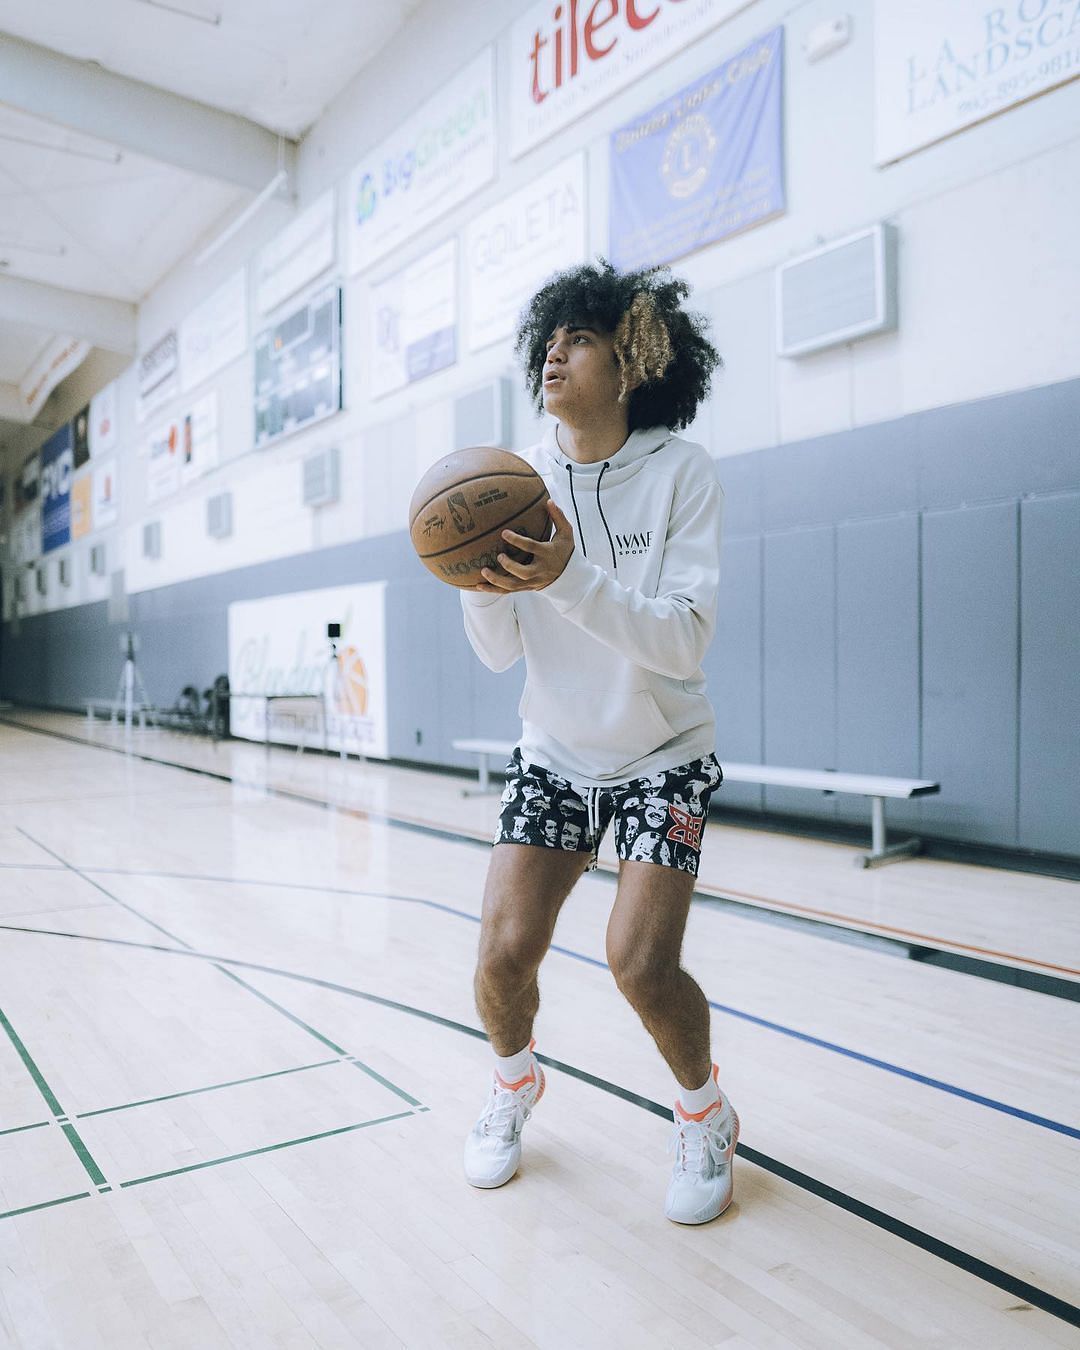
(499, 473)
(472, 540)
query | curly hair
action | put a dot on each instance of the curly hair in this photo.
(665, 360)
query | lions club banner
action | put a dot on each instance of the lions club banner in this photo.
(703, 165)
(278, 645)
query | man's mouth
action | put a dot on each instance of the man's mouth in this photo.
(551, 377)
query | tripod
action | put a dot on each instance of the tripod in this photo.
(131, 683)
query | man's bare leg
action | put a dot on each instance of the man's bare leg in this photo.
(644, 943)
(526, 888)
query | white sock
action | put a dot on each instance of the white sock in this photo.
(700, 1099)
(513, 1068)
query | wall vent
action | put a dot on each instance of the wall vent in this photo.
(151, 539)
(219, 515)
(65, 571)
(20, 586)
(97, 560)
(118, 598)
(322, 478)
(482, 416)
(41, 578)
(835, 294)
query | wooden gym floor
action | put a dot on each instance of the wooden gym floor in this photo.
(239, 1055)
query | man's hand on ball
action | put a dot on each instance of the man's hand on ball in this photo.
(549, 559)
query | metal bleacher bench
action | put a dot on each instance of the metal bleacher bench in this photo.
(814, 780)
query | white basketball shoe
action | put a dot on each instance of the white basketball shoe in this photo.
(493, 1146)
(701, 1183)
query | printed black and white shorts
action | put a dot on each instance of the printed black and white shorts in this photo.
(658, 819)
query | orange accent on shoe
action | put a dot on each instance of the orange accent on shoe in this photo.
(714, 1106)
(521, 1082)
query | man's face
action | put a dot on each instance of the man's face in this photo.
(581, 378)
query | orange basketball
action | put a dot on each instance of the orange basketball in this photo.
(462, 505)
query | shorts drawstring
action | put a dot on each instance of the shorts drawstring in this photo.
(592, 803)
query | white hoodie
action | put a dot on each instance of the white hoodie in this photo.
(613, 647)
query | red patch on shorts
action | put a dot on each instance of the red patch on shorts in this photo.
(687, 828)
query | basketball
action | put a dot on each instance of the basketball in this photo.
(462, 505)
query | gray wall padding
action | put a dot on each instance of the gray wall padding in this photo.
(898, 599)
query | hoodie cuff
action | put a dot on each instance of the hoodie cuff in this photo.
(570, 587)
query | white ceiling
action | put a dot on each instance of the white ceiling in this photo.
(110, 215)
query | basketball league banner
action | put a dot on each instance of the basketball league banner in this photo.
(300, 253)
(703, 165)
(60, 357)
(182, 449)
(439, 157)
(414, 321)
(105, 508)
(940, 65)
(517, 244)
(57, 468)
(82, 516)
(215, 333)
(568, 56)
(278, 645)
(158, 376)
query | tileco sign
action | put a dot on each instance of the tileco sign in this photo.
(567, 56)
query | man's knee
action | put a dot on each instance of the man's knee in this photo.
(510, 953)
(644, 977)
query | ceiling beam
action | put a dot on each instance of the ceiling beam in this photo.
(174, 130)
(105, 323)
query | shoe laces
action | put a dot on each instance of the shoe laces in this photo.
(504, 1114)
(697, 1143)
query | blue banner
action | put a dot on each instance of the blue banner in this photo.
(703, 165)
(57, 467)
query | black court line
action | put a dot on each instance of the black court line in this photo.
(999, 972)
(779, 1028)
(916, 1237)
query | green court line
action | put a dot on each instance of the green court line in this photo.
(18, 1129)
(81, 1151)
(398, 1092)
(325, 1040)
(269, 1148)
(193, 1092)
(45, 1204)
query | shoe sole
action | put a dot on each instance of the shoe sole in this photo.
(693, 1223)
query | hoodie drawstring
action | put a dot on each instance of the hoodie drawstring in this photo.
(577, 516)
(611, 543)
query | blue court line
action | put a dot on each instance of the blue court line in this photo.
(978, 1099)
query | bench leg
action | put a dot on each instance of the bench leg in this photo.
(880, 853)
(485, 779)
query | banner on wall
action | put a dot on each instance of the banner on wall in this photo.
(278, 645)
(940, 65)
(57, 468)
(214, 333)
(703, 165)
(414, 321)
(26, 537)
(82, 518)
(158, 377)
(442, 155)
(298, 366)
(26, 484)
(104, 509)
(568, 58)
(518, 243)
(301, 252)
(80, 426)
(59, 357)
(183, 448)
(103, 421)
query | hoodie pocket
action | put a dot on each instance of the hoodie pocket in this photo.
(608, 730)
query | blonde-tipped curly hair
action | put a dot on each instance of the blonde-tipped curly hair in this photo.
(664, 358)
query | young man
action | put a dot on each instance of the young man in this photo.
(613, 616)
